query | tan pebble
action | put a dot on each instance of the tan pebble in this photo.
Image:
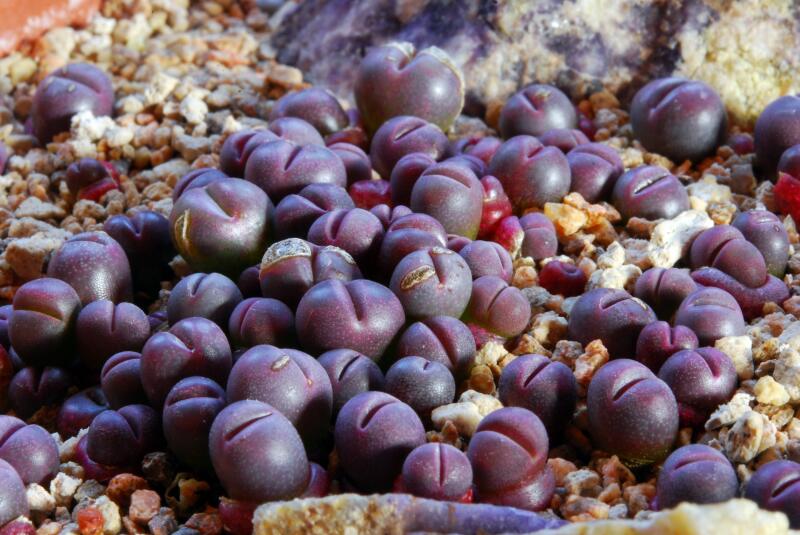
(730, 412)
(89, 489)
(35, 208)
(671, 238)
(144, 505)
(561, 468)
(485, 403)
(481, 379)
(524, 277)
(594, 356)
(614, 471)
(490, 353)
(582, 509)
(637, 497)
(566, 219)
(611, 494)
(86, 208)
(27, 256)
(583, 482)
(464, 416)
(769, 391)
(63, 487)
(740, 350)
(40, 500)
(748, 436)
(548, 328)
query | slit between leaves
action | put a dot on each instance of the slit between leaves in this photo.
(405, 132)
(346, 367)
(626, 387)
(717, 250)
(784, 485)
(648, 183)
(292, 157)
(246, 424)
(372, 412)
(686, 462)
(611, 301)
(217, 203)
(442, 468)
(535, 372)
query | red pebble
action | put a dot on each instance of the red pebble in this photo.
(6, 374)
(787, 195)
(90, 521)
(467, 497)
(144, 506)
(586, 125)
(237, 517)
(205, 523)
(561, 278)
(496, 206)
(18, 527)
(122, 486)
(367, 194)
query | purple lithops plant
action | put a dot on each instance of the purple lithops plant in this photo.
(66, 92)
(679, 118)
(374, 433)
(424, 83)
(632, 413)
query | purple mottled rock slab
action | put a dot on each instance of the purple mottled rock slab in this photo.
(394, 513)
(747, 50)
(400, 513)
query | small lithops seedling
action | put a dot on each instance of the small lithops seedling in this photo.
(401, 136)
(535, 110)
(531, 173)
(649, 192)
(613, 316)
(66, 92)
(191, 347)
(698, 474)
(438, 471)
(350, 373)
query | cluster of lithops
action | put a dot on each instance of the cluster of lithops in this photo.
(345, 269)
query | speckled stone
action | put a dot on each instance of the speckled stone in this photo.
(747, 50)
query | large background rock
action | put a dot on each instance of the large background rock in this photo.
(400, 513)
(747, 49)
